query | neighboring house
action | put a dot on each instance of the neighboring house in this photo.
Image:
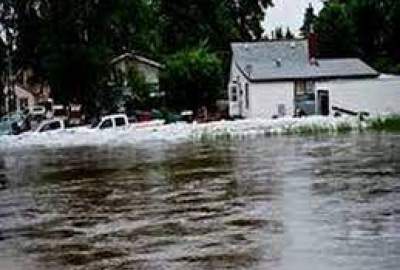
(148, 68)
(23, 98)
(281, 78)
(28, 92)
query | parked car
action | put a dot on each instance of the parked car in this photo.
(111, 121)
(13, 124)
(5, 129)
(51, 125)
(122, 121)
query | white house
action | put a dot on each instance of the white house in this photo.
(148, 68)
(281, 78)
(28, 91)
(23, 98)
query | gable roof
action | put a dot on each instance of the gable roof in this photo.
(137, 57)
(289, 60)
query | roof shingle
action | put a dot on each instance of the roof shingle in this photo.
(288, 60)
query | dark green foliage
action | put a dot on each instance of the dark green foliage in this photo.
(389, 123)
(278, 33)
(368, 29)
(289, 34)
(247, 16)
(70, 43)
(139, 89)
(309, 21)
(336, 33)
(192, 78)
(186, 23)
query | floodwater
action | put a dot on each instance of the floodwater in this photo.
(265, 203)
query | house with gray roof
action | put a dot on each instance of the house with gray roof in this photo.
(272, 79)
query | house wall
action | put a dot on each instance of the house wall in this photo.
(376, 96)
(150, 73)
(238, 108)
(21, 94)
(265, 98)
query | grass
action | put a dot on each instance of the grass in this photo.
(390, 123)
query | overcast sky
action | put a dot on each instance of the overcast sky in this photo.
(289, 13)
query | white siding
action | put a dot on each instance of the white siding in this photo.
(376, 96)
(266, 97)
(20, 94)
(238, 108)
(150, 73)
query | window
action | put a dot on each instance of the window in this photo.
(106, 124)
(304, 99)
(300, 88)
(247, 98)
(234, 93)
(51, 126)
(24, 103)
(310, 87)
(120, 121)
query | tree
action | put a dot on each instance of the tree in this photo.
(369, 21)
(192, 79)
(8, 35)
(248, 15)
(278, 33)
(2, 75)
(72, 51)
(309, 20)
(368, 28)
(187, 23)
(335, 31)
(289, 35)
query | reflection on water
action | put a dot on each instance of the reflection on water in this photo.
(270, 203)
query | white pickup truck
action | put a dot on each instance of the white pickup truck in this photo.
(111, 121)
(51, 125)
(105, 123)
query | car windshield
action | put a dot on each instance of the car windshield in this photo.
(51, 126)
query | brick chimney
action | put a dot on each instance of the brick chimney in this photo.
(312, 45)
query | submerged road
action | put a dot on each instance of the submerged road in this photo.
(331, 202)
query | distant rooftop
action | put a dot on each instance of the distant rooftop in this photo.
(289, 60)
(137, 57)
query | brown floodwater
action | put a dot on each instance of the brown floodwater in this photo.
(266, 203)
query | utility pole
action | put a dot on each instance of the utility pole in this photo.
(10, 81)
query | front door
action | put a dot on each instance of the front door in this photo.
(323, 102)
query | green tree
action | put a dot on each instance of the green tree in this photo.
(309, 21)
(289, 35)
(370, 30)
(335, 30)
(187, 23)
(248, 15)
(192, 79)
(278, 33)
(368, 18)
(77, 40)
(2, 75)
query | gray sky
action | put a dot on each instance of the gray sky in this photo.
(289, 13)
